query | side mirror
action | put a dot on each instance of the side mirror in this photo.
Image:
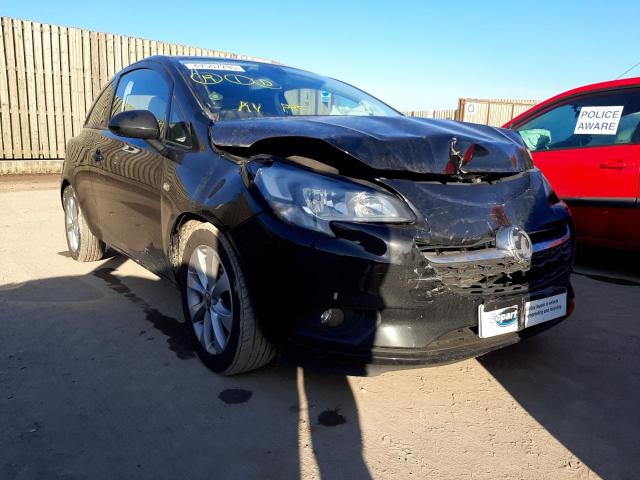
(135, 124)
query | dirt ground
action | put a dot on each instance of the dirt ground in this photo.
(97, 380)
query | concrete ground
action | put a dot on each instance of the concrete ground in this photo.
(97, 380)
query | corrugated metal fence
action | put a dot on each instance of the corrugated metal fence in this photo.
(50, 74)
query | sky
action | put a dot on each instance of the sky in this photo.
(414, 55)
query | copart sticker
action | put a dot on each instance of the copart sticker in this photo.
(545, 309)
(598, 120)
(214, 66)
(497, 322)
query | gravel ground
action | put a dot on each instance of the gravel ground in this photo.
(97, 380)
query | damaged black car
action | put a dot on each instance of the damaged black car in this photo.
(300, 214)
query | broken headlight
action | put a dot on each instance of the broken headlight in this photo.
(312, 201)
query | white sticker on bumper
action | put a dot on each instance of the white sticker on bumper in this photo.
(545, 309)
(498, 322)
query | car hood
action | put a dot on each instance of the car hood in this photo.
(388, 143)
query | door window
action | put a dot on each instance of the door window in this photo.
(594, 120)
(99, 115)
(178, 131)
(143, 89)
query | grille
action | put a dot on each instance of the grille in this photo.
(548, 234)
(505, 275)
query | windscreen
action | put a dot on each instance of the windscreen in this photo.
(233, 89)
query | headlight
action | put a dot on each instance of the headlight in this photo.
(311, 200)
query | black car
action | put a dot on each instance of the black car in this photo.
(297, 212)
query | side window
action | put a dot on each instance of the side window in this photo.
(595, 120)
(143, 89)
(179, 131)
(99, 116)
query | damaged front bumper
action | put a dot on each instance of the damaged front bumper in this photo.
(403, 297)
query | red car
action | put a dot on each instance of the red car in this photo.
(587, 143)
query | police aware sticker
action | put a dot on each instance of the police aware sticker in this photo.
(598, 120)
(214, 66)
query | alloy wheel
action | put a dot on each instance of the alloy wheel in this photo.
(209, 299)
(72, 222)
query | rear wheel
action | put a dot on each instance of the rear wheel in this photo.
(216, 303)
(83, 245)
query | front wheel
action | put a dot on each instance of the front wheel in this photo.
(216, 303)
(83, 245)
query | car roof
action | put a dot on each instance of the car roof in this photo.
(624, 82)
(173, 60)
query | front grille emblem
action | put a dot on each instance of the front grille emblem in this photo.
(515, 241)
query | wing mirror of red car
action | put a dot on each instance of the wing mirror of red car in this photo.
(135, 124)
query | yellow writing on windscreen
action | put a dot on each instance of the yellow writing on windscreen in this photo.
(206, 78)
(246, 81)
(210, 78)
(288, 107)
(250, 107)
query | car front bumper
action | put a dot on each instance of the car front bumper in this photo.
(397, 309)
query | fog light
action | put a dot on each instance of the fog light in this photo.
(332, 317)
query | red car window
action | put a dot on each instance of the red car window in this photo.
(556, 128)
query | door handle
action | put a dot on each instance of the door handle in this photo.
(614, 163)
(97, 156)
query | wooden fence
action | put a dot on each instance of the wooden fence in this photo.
(450, 114)
(475, 110)
(491, 112)
(49, 76)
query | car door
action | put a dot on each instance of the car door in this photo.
(588, 146)
(129, 176)
(80, 151)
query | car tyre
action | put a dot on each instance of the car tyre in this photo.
(216, 303)
(83, 245)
